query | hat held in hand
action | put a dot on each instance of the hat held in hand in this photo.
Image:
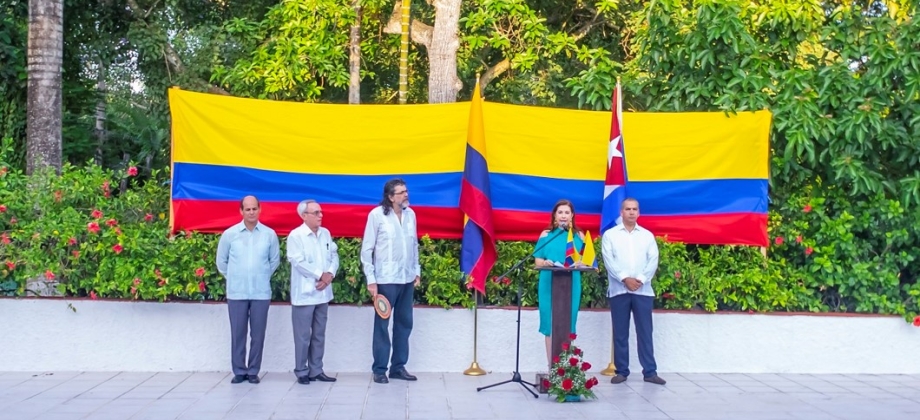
(382, 306)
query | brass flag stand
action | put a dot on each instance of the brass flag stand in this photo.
(474, 369)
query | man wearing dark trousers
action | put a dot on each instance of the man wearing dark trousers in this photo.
(314, 259)
(389, 254)
(631, 257)
(247, 255)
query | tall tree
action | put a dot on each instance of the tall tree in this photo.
(45, 52)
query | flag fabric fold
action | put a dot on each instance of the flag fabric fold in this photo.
(571, 253)
(615, 182)
(588, 256)
(477, 249)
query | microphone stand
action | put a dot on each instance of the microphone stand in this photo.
(516, 376)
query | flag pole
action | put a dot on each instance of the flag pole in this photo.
(611, 369)
(474, 369)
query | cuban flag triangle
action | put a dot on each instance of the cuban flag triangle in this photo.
(615, 183)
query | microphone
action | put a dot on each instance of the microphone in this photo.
(563, 226)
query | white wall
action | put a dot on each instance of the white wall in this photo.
(46, 335)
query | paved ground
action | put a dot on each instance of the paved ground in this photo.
(112, 395)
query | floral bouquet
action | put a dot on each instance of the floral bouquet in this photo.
(567, 380)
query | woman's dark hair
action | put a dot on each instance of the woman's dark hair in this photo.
(388, 189)
(552, 215)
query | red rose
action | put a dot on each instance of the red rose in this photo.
(96, 214)
(589, 385)
(807, 208)
(199, 272)
(567, 384)
(93, 227)
(148, 217)
(560, 371)
(72, 241)
(49, 274)
(573, 361)
(111, 222)
(546, 384)
(565, 346)
(917, 321)
(132, 171)
(11, 265)
(572, 336)
(585, 366)
(202, 287)
(555, 359)
(117, 248)
(809, 250)
(2, 208)
(92, 295)
(577, 351)
(778, 240)
(798, 239)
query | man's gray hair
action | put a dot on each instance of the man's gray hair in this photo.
(302, 207)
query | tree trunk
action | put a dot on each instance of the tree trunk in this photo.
(354, 57)
(404, 51)
(100, 112)
(45, 51)
(443, 83)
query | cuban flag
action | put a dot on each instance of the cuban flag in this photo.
(615, 182)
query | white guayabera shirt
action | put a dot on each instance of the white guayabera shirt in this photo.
(629, 254)
(389, 250)
(311, 255)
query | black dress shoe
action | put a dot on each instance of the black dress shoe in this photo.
(254, 379)
(402, 374)
(618, 379)
(238, 378)
(303, 380)
(381, 378)
(322, 378)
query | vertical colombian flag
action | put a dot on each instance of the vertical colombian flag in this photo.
(615, 182)
(477, 249)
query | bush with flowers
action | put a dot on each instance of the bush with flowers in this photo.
(567, 377)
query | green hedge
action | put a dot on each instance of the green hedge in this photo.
(826, 256)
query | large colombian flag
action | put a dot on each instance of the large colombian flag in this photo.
(477, 249)
(700, 177)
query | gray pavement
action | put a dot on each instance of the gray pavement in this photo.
(131, 395)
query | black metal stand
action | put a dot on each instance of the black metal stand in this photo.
(516, 376)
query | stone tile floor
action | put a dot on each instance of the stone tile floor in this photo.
(131, 395)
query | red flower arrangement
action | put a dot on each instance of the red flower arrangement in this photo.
(567, 379)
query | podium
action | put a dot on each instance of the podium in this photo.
(562, 304)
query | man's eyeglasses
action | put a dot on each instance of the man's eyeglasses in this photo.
(401, 192)
(315, 213)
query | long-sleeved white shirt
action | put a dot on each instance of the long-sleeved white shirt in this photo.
(247, 260)
(629, 254)
(389, 250)
(311, 254)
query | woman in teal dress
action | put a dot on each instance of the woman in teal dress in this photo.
(550, 248)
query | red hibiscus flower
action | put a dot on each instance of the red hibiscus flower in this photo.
(137, 281)
(779, 240)
(118, 231)
(668, 295)
(585, 366)
(13, 220)
(93, 227)
(49, 274)
(573, 336)
(10, 265)
(809, 250)
(506, 281)
(807, 208)
(132, 171)
(4, 239)
(2, 208)
(677, 274)
(96, 214)
(202, 287)
(162, 283)
(58, 196)
(567, 384)
(72, 241)
(133, 290)
(917, 321)
(148, 217)
(573, 361)
(565, 346)
(76, 254)
(92, 295)
(494, 279)
(117, 248)
(199, 272)
(560, 371)
(111, 222)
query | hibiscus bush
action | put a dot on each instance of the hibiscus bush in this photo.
(567, 378)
